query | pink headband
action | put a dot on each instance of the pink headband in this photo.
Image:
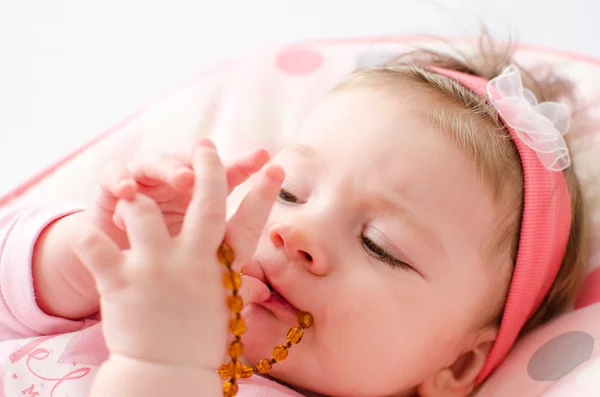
(537, 132)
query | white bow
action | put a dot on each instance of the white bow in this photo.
(539, 125)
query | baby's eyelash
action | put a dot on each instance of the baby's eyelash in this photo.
(379, 253)
(287, 196)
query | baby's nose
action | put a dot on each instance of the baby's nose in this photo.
(299, 247)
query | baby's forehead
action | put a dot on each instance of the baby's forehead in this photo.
(368, 119)
(371, 135)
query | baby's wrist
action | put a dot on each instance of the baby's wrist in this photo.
(122, 375)
(63, 286)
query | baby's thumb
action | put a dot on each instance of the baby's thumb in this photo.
(253, 290)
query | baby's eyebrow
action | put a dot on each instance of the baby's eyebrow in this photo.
(302, 150)
(429, 235)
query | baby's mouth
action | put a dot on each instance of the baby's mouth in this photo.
(277, 295)
(280, 306)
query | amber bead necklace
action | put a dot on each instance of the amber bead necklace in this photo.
(231, 372)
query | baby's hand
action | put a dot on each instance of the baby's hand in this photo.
(163, 300)
(167, 179)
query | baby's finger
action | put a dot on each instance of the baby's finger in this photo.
(241, 169)
(173, 220)
(246, 225)
(253, 291)
(238, 170)
(100, 254)
(153, 169)
(144, 223)
(117, 182)
(204, 223)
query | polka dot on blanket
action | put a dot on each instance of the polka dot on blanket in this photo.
(299, 61)
(560, 356)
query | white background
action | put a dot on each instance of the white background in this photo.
(71, 68)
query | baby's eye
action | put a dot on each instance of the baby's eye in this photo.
(288, 197)
(381, 254)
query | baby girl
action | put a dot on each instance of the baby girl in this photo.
(428, 217)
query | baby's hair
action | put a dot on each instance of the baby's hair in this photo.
(475, 126)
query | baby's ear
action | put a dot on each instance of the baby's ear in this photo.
(458, 379)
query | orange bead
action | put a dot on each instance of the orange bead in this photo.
(247, 371)
(225, 254)
(280, 352)
(264, 366)
(232, 280)
(237, 326)
(235, 303)
(223, 372)
(230, 388)
(234, 368)
(236, 349)
(305, 319)
(294, 335)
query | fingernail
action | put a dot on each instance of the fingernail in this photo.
(127, 189)
(262, 155)
(261, 152)
(263, 297)
(205, 142)
(183, 170)
(276, 173)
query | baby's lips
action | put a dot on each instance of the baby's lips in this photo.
(253, 290)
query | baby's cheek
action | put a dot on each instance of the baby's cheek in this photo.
(440, 341)
(447, 323)
(481, 297)
(433, 331)
(375, 356)
(377, 334)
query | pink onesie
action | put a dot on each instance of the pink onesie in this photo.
(45, 356)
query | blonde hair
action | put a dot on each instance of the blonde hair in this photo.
(475, 126)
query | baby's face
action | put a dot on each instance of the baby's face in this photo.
(381, 232)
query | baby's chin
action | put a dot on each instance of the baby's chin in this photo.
(264, 331)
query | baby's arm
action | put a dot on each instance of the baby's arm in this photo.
(64, 287)
(20, 228)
